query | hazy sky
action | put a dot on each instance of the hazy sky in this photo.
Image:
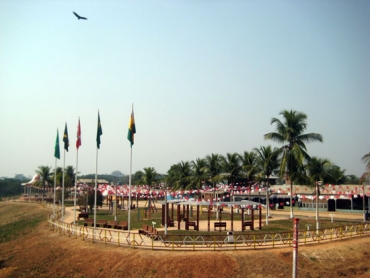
(204, 77)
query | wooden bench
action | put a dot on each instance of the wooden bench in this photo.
(123, 225)
(219, 225)
(112, 224)
(144, 229)
(89, 222)
(83, 215)
(191, 224)
(248, 224)
(101, 223)
(153, 233)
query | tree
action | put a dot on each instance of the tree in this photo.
(70, 176)
(268, 162)
(148, 177)
(365, 176)
(366, 159)
(90, 199)
(291, 133)
(231, 165)
(213, 169)
(198, 173)
(45, 178)
(179, 176)
(319, 170)
(249, 167)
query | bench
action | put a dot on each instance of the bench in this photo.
(101, 223)
(89, 222)
(112, 224)
(248, 224)
(123, 225)
(153, 233)
(191, 224)
(144, 229)
(219, 225)
(83, 215)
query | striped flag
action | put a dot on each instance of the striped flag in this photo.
(131, 128)
(65, 138)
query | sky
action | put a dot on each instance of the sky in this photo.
(203, 77)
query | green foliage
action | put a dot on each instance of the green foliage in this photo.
(90, 199)
(10, 187)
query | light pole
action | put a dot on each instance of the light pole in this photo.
(318, 184)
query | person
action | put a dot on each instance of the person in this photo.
(367, 216)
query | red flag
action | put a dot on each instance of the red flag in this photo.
(78, 142)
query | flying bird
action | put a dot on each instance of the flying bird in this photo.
(79, 17)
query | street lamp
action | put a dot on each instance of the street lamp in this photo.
(318, 184)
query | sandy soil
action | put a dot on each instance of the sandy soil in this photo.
(44, 253)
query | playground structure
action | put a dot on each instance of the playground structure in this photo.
(184, 212)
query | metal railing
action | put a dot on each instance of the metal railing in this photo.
(207, 242)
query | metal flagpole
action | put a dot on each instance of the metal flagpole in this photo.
(74, 221)
(96, 189)
(129, 194)
(55, 182)
(64, 163)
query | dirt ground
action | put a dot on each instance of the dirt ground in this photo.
(41, 252)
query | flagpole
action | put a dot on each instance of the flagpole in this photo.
(129, 194)
(55, 182)
(64, 163)
(130, 137)
(96, 188)
(74, 221)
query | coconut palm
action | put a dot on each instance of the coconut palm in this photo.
(213, 169)
(249, 167)
(180, 175)
(149, 176)
(319, 169)
(198, 173)
(45, 178)
(268, 162)
(366, 159)
(290, 132)
(231, 165)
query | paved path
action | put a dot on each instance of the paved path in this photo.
(275, 215)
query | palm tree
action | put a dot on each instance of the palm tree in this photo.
(180, 175)
(268, 162)
(319, 170)
(45, 178)
(213, 169)
(198, 173)
(70, 176)
(231, 165)
(365, 176)
(149, 176)
(291, 133)
(249, 167)
(366, 159)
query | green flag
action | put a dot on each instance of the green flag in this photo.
(56, 148)
(99, 133)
